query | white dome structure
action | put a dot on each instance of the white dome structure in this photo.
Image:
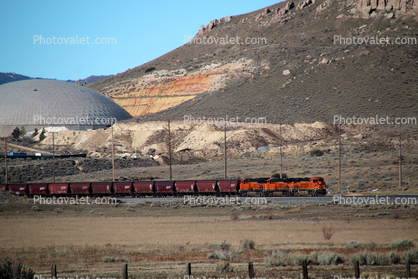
(42, 103)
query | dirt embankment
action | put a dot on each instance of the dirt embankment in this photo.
(190, 141)
(159, 90)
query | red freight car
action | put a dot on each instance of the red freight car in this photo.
(122, 188)
(38, 189)
(228, 186)
(164, 188)
(142, 188)
(186, 187)
(60, 189)
(3, 187)
(207, 186)
(80, 188)
(101, 188)
(18, 189)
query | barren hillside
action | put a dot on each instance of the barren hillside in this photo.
(305, 70)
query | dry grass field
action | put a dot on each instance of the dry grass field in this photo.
(157, 239)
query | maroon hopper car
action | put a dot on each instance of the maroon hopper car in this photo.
(3, 186)
(102, 188)
(164, 187)
(80, 188)
(59, 188)
(207, 186)
(144, 187)
(186, 187)
(122, 187)
(38, 189)
(18, 189)
(228, 186)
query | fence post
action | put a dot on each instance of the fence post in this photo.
(189, 269)
(357, 269)
(54, 271)
(305, 269)
(125, 271)
(408, 268)
(251, 270)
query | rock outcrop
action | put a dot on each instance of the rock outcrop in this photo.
(160, 90)
(303, 4)
(391, 8)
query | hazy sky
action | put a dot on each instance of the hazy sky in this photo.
(121, 34)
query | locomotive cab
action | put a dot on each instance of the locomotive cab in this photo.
(320, 187)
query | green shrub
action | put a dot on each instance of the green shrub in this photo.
(248, 244)
(378, 259)
(403, 243)
(370, 245)
(412, 255)
(354, 244)
(360, 257)
(316, 152)
(299, 259)
(224, 256)
(330, 258)
(225, 246)
(223, 266)
(394, 258)
(9, 270)
(365, 258)
(312, 259)
(280, 258)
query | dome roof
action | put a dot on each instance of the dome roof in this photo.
(40, 102)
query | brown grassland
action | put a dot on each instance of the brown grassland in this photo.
(157, 239)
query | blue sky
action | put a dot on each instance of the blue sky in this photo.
(144, 30)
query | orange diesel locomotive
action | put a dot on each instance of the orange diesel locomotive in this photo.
(314, 186)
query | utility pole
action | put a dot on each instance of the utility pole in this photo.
(169, 146)
(339, 158)
(226, 176)
(53, 156)
(113, 157)
(5, 160)
(400, 157)
(281, 163)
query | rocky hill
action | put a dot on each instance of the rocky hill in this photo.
(305, 64)
(89, 79)
(9, 77)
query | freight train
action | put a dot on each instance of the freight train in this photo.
(314, 186)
